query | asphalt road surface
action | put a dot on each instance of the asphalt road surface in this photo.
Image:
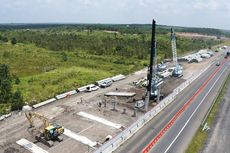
(219, 138)
(177, 138)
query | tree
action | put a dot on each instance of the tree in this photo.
(64, 56)
(6, 95)
(4, 39)
(17, 80)
(17, 101)
(13, 41)
(5, 84)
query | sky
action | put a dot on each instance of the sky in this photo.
(190, 13)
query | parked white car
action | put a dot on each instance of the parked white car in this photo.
(92, 88)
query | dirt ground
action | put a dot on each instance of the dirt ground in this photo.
(195, 35)
(65, 111)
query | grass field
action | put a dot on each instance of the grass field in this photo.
(44, 73)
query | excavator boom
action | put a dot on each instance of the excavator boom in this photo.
(31, 115)
(49, 133)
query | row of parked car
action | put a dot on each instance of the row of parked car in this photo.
(93, 87)
(101, 84)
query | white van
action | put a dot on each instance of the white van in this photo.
(106, 83)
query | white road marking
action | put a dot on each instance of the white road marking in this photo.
(30, 146)
(194, 112)
(80, 138)
(100, 120)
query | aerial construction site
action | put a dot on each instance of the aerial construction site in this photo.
(92, 116)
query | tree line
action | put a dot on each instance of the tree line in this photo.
(101, 43)
(122, 28)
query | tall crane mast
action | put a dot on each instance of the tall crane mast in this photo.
(178, 70)
(173, 45)
(154, 82)
(151, 69)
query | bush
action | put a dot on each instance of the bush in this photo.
(4, 109)
(17, 101)
(17, 80)
(64, 57)
(13, 41)
(4, 39)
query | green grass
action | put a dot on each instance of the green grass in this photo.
(42, 86)
(44, 73)
(201, 136)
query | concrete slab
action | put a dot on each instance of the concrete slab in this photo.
(121, 94)
(99, 119)
(30, 146)
(80, 138)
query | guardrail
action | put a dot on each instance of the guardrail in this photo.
(128, 132)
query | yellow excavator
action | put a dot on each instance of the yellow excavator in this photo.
(49, 133)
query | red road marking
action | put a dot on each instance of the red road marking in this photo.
(185, 106)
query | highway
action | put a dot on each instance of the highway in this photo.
(198, 96)
(220, 129)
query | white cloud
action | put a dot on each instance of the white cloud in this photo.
(206, 4)
(171, 12)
